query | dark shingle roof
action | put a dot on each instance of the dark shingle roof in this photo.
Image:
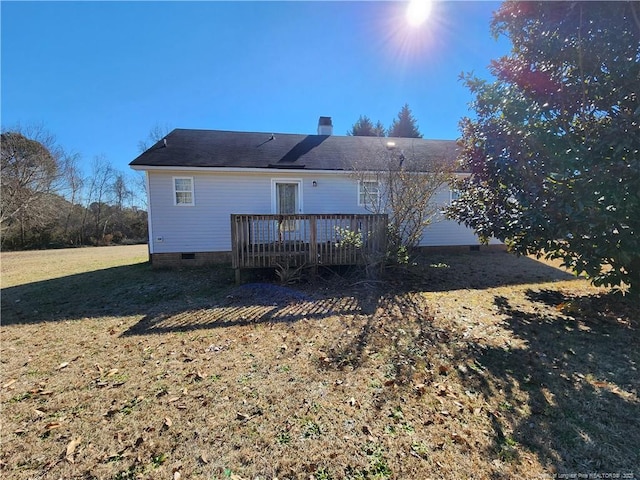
(216, 148)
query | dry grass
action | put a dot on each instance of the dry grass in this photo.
(478, 365)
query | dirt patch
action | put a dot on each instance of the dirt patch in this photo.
(483, 366)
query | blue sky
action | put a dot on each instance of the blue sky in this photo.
(100, 75)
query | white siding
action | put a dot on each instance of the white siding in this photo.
(205, 226)
(443, 232)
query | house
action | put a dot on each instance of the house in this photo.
(198, 179)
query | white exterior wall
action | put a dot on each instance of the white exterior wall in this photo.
(443, 232)
(205, 226)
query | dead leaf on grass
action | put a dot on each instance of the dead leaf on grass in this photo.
(167, 423)
(71, 447)
(197, 376)
(112, 372)
(41, 391)
(9, 383)
(52, 426)
(459, 405)
(457, 438)
(62, 365)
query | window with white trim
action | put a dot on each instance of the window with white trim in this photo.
(183, 191)
(454, 194)
(368, 193)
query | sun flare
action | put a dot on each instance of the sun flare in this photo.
(418, 12)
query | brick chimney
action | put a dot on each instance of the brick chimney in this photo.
(325, 127)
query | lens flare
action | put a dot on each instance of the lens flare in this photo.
(418, 12)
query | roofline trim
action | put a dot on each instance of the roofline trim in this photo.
(271, 171)
(233, 169)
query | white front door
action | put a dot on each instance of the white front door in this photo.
(287, 201)
(286, 196)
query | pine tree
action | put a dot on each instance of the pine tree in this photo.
(364, 128)
(405, 125)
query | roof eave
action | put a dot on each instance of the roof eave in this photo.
(174, 168)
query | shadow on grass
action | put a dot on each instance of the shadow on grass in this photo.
(436, 272)
(181, 300)
(572, 392)
(235, 311)
(344, 295)
(119, 291)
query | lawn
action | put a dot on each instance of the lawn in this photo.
(473, 365)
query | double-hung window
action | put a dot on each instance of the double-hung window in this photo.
(368, 193)
(183, 191)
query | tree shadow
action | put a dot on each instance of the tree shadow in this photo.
(572, 390)
(179, 300)
(119, 291)
(437, 272)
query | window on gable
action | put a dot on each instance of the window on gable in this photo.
(368, 193)
(183, 191)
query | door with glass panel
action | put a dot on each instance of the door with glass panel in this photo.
(287, 202)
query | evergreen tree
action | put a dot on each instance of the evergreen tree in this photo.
(554, 148)
(379, 129)
(405, 125)
(364, 128)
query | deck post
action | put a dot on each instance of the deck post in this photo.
(235, 247)
(313, 244)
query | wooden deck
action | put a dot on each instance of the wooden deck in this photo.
(262, 241)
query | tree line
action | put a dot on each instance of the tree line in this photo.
(48, 202)
(404, 125)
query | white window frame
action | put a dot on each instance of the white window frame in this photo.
(176, 191)
(454, 194)
(374, 200)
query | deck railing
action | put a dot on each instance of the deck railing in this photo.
(260, 241)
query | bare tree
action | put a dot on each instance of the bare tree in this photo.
(72, 192)
(98, 192)
(403, 185)
(156, 133)
(30, 172)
